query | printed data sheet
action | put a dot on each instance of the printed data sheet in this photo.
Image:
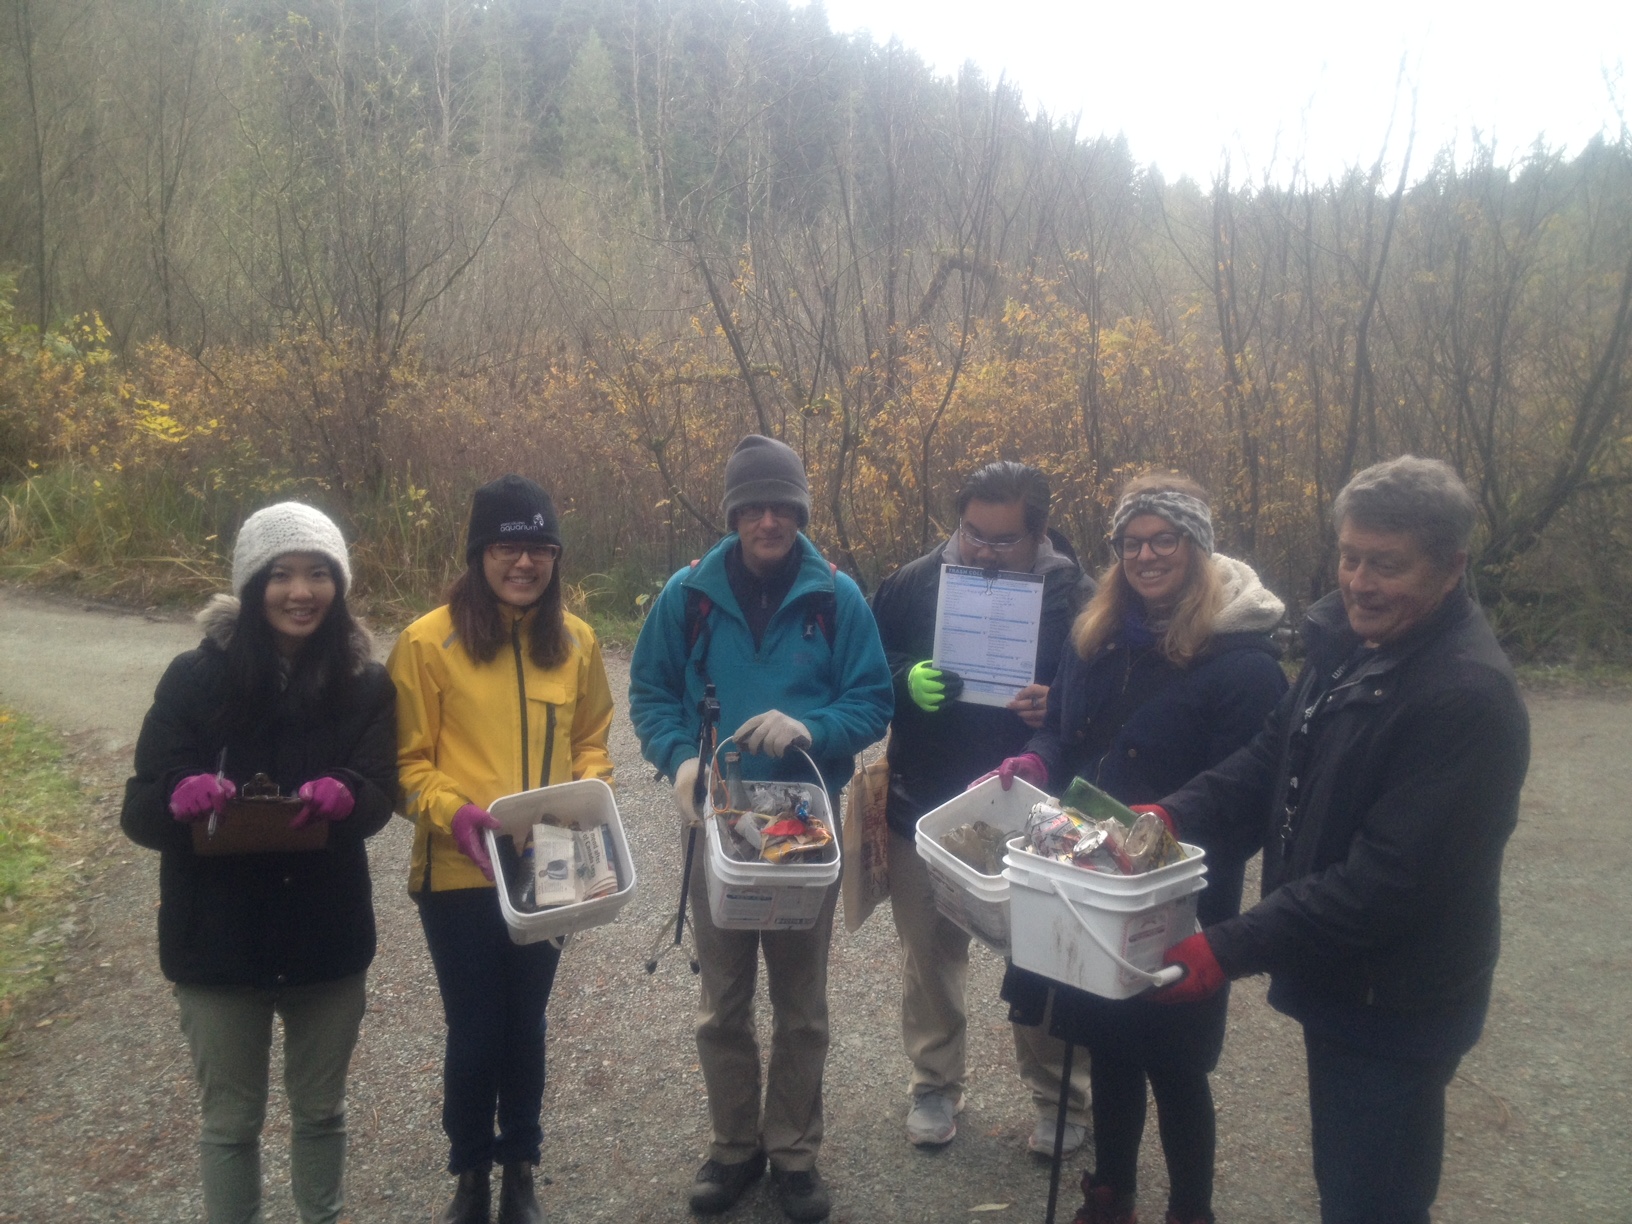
(986, 630)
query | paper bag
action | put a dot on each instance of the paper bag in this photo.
(866, 879)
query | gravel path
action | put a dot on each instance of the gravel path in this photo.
(97, 1107)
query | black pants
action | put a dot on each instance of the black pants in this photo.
(493, 998)
(1173, 1048)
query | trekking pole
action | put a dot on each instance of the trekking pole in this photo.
(708, 710)
(1059, 1132)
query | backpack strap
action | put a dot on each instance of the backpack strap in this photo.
(698, 606)
(822, 612)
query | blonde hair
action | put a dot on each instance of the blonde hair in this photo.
(1200, 601)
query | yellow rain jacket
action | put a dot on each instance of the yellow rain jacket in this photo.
(470, 732)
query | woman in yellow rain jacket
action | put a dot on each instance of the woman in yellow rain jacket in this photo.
(500, 690)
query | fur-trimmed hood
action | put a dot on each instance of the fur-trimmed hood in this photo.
(219, 618)
(1249, 606)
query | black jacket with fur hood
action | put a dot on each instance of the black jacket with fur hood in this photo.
(263, 920)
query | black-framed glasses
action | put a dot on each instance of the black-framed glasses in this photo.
(1162, 544)
(536, 553)
(1003, 545)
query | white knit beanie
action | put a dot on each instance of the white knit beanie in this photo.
(288, 527)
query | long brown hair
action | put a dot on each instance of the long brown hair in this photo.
(1200, 601)
(480, 625)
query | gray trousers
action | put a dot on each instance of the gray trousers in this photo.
(230, 1031)
(789, 1127)
(934, 1018)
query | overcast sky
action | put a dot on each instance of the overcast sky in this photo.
(1279, 83)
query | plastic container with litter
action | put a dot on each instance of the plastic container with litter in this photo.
(587, 804)
(786, 896)
(976, 902)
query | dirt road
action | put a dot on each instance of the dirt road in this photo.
(97, 1108)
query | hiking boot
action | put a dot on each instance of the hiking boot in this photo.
(517, 1202)
(1102, 1205)
(932, 1120)
(717, 1186)
(471, 1198)
(802, 1194)
(1041, 1142)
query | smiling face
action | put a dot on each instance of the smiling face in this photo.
(767, 531)
(1159, 581)
(299, 592)
(519, 574)
(1389, 582)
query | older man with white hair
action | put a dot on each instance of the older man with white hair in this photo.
(1382, 790)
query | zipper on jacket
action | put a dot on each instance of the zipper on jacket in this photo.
(521, 693)
(549, 744)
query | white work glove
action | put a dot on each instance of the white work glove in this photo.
(772, 733)
(685, 790)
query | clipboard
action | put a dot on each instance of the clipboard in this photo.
(257, 822)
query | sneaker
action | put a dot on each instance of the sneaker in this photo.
(932, 1121)
(1041, 1141)
(717, 1186)
(802, 1194)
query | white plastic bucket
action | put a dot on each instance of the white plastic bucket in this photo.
(769, 896)
(978, 903)
(1096, 931)
(589, 802)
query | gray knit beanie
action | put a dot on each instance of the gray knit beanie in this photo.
(762, 469)
(288, 527)
(1189, 514)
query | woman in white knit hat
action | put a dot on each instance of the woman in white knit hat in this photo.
(282, 923)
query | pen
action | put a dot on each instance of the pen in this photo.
(220, 776)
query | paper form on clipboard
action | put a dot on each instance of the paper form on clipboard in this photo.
(986, 627)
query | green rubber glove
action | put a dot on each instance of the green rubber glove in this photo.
(929, 686)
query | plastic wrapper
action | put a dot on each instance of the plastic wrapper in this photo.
(980, 845)
(1109, 845)
(776, 827)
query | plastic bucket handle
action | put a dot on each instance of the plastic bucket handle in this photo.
(731, 739)
(1162, 977)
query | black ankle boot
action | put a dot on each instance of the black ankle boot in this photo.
(517, 1202)
(471, 1198)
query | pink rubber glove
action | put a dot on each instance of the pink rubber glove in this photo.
(1203, 976)
(1167, 816)
(1028, 766)
(468, 823)
(326, 798)
(201, 795)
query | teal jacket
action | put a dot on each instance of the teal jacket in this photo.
(841, 691)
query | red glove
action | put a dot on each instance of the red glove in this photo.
(326, 798)
(201, 795)
(1139, 809)
(1202, 974)
(1029, 766)
(468, 823)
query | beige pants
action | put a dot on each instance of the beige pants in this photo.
(789, 1126)
(934, 977)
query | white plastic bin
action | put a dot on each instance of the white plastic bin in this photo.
(1096, 931)
(977, 903)
(589, 802)
(769, 896)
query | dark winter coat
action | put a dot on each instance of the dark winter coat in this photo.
(1383, 890)
(262, 920)
(934, 757)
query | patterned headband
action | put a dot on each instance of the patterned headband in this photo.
(1189, 514)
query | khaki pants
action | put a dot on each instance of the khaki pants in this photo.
(789, 1126)
(230, 1031)
(934, 978)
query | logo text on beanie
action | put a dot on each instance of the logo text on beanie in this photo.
(536, 523)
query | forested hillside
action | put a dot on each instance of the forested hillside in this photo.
(374, 252)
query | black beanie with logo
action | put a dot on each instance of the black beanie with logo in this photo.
(510, 510)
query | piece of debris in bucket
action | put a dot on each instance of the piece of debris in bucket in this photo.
(776, 827)
(1067, 836)
(978, 844)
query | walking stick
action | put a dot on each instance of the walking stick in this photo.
(1059, 1130)
(708, 710)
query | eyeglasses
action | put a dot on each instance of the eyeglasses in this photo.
(782, 512)
(536, 553)
(1162, 544)
(1006, 544)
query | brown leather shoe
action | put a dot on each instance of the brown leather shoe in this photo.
(517, 1202)
(472, 1198)
(718, 1186)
